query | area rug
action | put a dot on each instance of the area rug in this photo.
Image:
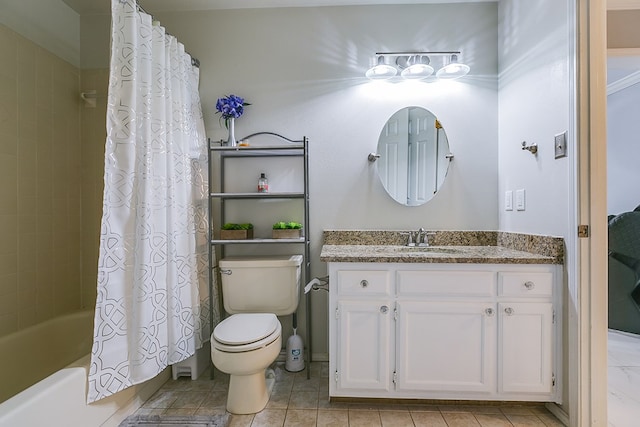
(175, 421)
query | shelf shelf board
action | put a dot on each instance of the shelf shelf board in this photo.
(258, 195)
(253, 241)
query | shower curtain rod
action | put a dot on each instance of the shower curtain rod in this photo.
(195, 62)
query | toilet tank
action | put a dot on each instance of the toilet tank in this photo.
(261, 284)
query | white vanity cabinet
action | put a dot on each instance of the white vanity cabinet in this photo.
(444, 331)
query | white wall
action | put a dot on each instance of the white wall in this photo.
(302, 69)
(623, 150)
(534, 105)
(51, 24)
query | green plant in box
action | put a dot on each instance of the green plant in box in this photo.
(287, 230)
(232, 231)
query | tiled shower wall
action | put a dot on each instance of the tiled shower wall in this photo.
(49, 183)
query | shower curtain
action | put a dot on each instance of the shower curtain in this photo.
(152, 306)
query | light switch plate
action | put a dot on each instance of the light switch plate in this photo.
(508, 200)
(561, 145)
(520, 202)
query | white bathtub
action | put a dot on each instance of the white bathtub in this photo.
(54, 357)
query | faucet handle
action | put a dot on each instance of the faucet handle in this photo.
(410, 241)
(426, 237)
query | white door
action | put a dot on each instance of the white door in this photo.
(394, 153)
(422, 173)
(363, 340)
(525, 348)
(446, 346)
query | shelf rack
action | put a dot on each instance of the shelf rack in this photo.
(285, 147)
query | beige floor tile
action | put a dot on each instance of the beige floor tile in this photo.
(161, 399)
(304, 384)
(303, 400)
(460, 419)
(550, 421)
(525, 421)
(214, 399)
(301, 418)
(428, 419)
(492, 420)
(485, 409)
(364, 418)
(333, 418)
(517, 410)
(324, 403)
(269, 418)
(150, 411)
(190, 399)
(179, 411)
(422, 408)
(279, 400)
(466, 409)
(240, 420)
(396, 419)
(210, 411)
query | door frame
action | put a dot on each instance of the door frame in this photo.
(588, 325)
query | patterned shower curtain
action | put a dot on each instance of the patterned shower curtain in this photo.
(152, 305)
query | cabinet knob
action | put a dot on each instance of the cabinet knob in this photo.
(384, 309)
(489, 312)
(364, 283)
(508, 311)
(529, 285)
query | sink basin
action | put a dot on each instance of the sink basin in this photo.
(428, 249)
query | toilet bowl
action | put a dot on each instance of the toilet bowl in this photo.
(243, 346)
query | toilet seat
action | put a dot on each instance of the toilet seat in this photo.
(246, 332)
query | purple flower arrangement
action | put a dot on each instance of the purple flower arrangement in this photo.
(230, 107)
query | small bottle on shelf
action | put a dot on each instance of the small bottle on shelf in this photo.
(263, 184)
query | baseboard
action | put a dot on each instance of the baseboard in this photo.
(557, 411)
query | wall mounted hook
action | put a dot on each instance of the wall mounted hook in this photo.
(532, 148)
(373, 157)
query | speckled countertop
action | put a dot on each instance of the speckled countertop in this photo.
(482, 247)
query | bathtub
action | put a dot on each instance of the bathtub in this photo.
(47, 366)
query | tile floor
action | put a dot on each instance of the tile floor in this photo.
(624, 379)
(296, 401)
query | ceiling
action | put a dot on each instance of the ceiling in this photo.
(85, 7)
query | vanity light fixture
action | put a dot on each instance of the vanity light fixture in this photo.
(453, 69)
(416, 65)
(381, 71)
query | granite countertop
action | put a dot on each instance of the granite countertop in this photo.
(448, 247)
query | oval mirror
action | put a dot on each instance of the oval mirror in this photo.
(414, 156)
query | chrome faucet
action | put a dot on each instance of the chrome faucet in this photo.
(422, 237)
(410, 238)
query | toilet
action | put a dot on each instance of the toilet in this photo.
(255, 290)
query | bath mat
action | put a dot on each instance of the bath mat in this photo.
(175, 421)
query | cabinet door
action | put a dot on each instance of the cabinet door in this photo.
(363, 339)
(525, 347)
(446, 346)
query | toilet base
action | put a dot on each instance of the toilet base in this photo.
(249, 394)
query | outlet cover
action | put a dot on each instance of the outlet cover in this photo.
(520, 202)
(508, 200)
(561, 145)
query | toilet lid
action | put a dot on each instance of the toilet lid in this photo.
(245, 328)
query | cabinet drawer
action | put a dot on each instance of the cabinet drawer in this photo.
(526, 284)
(364, 283)
(446, 283)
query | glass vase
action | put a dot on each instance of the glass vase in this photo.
(231, 140)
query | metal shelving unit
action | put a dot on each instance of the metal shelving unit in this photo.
(285, 147)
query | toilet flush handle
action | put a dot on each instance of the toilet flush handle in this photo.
(228, 272)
